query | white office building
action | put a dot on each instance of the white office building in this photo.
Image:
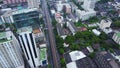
(105, 24)
(10, 52)
(85, 15)
(33, 3)
(89, 4)
(30, 39)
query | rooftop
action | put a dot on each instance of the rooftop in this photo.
(24, 11)
(25, 29)
(76, 55)
(83, 62)
(43, 54)
(5, 36)
(118, 34)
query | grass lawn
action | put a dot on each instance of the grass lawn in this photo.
(43, 54)
(80, 24)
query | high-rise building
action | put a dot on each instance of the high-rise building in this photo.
(31, 39)
(10, 53)
(13, 1)
(21, 18)
(33, 3)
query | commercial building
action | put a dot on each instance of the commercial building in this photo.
(32, 40)
(33, 3)
(72, 27)
(85, 15)
(25, 17)
(60, 5)
(10, 52)
(105, 60)
(116, 37)
(21, 18)
(77, 59)
(10, 2)
(96, 32)
(105, 24)
(62, 32)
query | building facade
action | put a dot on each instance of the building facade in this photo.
(33, 3)
(13, 1)
(30, 40)
(10, 53)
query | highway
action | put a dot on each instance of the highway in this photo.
(50, 35)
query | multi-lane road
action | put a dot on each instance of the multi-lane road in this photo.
(52, 43)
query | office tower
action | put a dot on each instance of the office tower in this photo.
(10, 53)
(31, 37)
(33, 3)
(25, 17)
(13, 1)
(21, 18)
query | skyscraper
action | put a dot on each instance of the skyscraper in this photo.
(10, 53)
(30, 39)
(33, 3)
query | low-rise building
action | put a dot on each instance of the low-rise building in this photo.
(105, 24)
(59, 18)
(77, 59)
(96, 32)
(72, 27)
(105, 60)
(61, 31)
(116, 37)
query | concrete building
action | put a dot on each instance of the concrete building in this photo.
(77, 59)
(85, 15)
(89, 4)
(59, 18)
(10, 52)
(72, 27)
(73, 7)
(105, 60)
(60, 5)
(33, 3)
(62, 32)
(32, 40)
(105, 24)
(116, 37)
(96, 32)
(21, 18)
(9, 2)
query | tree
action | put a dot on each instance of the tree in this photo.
(92, 55)
(116, 23)
(62, 61)
(74, 46)
(54, 22)
(70, 39)
(111, 50)
(61, 50)
(59, 42)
